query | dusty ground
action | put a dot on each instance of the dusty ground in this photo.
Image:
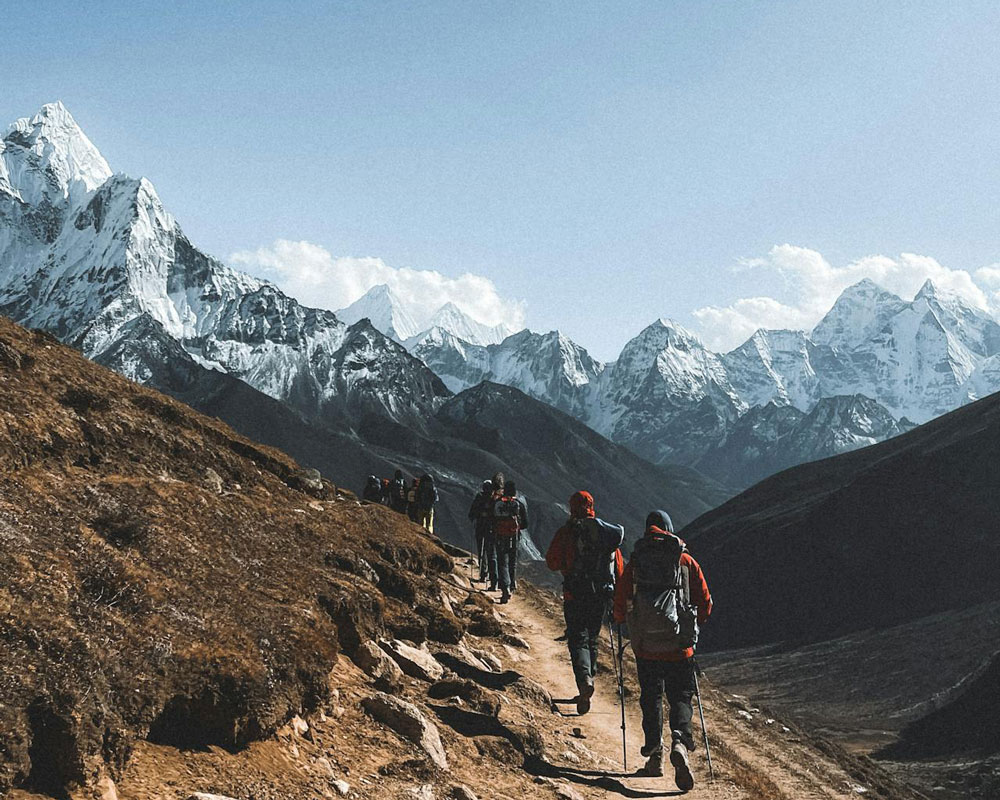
(754, 756)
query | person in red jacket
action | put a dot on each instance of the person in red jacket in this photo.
(663, 597)
(586, 551)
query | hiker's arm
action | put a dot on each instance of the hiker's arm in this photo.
(698, 586)
(623, 591)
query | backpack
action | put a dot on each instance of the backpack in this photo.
(593, 570)
(399, 492)
(662, 619)
(507, 516)
(426, 494)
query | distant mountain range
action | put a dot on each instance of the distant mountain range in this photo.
(95, 258)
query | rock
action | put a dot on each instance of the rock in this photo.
(323, 765)
(376, 663)
(410, 723)
(467, 657)
(206, 796)
(342, 788)
(416, 663)
(491, 660)
(568, 793)
(529, 690)
(515, 641)
(460, 792)
(478, 698)
(213, 480)
(105, 789)
(299, 726)
(425, 792)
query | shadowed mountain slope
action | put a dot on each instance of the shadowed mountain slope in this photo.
(871, 538)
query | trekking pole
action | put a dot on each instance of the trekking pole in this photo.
(701, 713)
(619, 666)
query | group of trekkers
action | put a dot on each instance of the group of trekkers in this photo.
(658, 600)
(499, 514)
(416, 498)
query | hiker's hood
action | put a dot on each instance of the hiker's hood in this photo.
(487, 487)
(581, 505)
(661, 520)
(653, 531)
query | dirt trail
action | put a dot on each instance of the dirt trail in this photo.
(754, 757)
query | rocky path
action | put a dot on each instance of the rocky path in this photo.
(755, 756)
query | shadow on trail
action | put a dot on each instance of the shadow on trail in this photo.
(608, 781)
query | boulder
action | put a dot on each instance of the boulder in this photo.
(206, 796)
(478, 698)
(376, 663)
(409, 722)
(461, 792)
(342, 788)
(415, 662)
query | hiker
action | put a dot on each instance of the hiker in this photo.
(660, 601)
(586, 551)
(510, 517)
(397, 497)
(386, 492)
(373, 490)
(411, 500)
(426, 499)
(481, 517)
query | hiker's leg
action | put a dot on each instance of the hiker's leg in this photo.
(651, 702)
(595, 623)
(513, 560)
(491, 559)
(503, 562)
(484, 566)
(679, 685)
(578, 641)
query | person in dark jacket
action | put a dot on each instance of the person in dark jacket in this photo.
(481, 517)
(510, 517)
(398, 492)
(665, 666)
(373, 490)
(427, 498)
(586, 550)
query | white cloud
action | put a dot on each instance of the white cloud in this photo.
(813, 285)
(309, 273)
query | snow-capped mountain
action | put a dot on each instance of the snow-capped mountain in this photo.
(380, 306)
(94, 257)
(397, 318)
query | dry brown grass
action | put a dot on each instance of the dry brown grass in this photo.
(136, 601)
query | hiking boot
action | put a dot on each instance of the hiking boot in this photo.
(648, 750)
(583, 699)
(505, 597)
(493, 587)
(653, 767)
(682, 770)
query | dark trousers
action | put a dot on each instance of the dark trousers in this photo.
(675, 679)
(584, 619)
(506, 560)
(483, 545)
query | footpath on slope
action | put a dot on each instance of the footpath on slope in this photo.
(754, 755)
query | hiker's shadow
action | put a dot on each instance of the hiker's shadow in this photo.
(498, 681)
(608, 781)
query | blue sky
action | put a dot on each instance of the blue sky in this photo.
(606, 163)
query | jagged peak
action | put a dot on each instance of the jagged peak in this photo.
(63, 150)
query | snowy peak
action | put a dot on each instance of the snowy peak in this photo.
(385, 310)
(861, 311)
(451, 318)
(49, 157)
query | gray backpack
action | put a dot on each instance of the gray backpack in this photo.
(662, 619)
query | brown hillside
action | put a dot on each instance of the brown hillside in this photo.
(142, 595)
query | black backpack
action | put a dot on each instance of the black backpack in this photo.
(662, 618)
(426, 495)
(593, 570)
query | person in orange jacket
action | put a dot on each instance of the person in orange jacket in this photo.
(660, 601)
(586, 550)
